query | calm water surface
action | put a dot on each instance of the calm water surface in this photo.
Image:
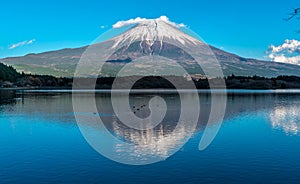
(259, 141)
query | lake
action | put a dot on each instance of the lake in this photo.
(41, 142)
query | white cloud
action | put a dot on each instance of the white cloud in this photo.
(15, 45)
(123, 23)
(103, 26)
(288, 52)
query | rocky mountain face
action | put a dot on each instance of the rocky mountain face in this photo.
(152, 37)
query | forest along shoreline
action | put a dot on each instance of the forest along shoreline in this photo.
(11, 79)
(151, 82)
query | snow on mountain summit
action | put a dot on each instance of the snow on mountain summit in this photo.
(152, 30)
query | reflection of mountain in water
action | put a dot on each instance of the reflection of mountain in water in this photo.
(162, 139)
(159, 141)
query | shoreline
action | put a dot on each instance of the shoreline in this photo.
(156, 91)
(141, 89)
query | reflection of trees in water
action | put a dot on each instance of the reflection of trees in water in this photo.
(255, 102)
(58, 106)
(7, 97)
(161, 140)
(49, 106)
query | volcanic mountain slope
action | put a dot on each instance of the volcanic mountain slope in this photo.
(151, 37)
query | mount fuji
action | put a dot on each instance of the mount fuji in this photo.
(149, 37)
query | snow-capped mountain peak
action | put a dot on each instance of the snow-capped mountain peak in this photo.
(152, 30)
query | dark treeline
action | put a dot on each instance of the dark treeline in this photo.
(232, 82)
(155, 82)
(8, 73)
(9, 77)
(257, 82)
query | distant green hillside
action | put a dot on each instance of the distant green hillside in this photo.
(62, 63)
(8, 73)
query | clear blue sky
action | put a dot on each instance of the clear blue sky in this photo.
(243, 27)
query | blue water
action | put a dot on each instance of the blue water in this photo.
(258, 142)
